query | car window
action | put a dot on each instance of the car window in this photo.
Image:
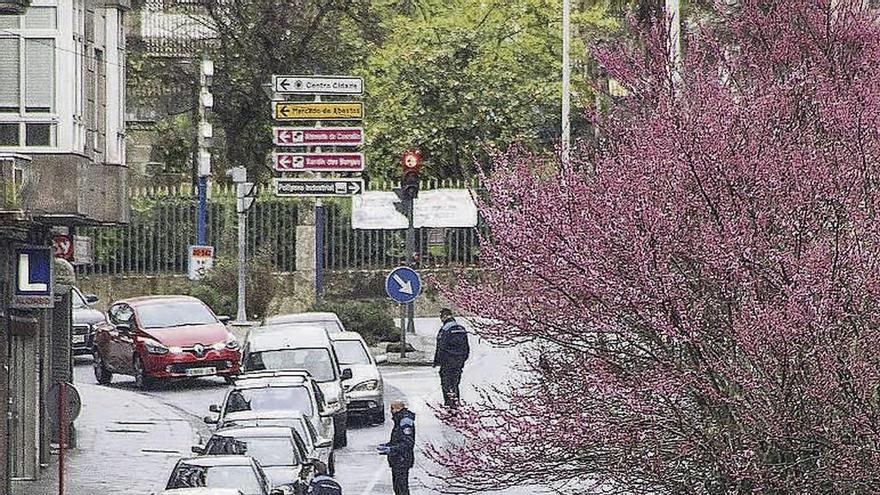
(351, 352)
(77, 300)
(268, 451)
(175, 314)
(243, 478)
(121, 313)
(269, 399)
(316, 361)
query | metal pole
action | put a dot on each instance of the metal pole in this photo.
(62, 427)
(566, 81)
(203, 206)
(673, 18)
(410, 251)
(242, 267)
(403, 330)
(319, 230)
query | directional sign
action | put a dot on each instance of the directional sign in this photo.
(318, 136)
(318, 85)
(33, 278)
(340, 110)
(317, 187)
(403, 284)
(318, 162)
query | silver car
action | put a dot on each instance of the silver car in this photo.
(365, 390)
(328, 321)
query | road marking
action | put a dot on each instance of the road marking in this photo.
(375, 481)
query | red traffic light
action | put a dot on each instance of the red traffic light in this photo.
(412, 161)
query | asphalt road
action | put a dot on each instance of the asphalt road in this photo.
(359, 469)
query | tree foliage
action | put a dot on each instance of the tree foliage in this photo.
(697, 305)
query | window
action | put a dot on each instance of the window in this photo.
(38, 134)
(9, 64)
(40, 18)
(39, 66)
(8, 134)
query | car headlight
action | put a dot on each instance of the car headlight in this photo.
(155, 347)
(287, 489)
(367, 386)
(230, 343)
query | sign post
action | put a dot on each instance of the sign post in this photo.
(33, 278)
(404, 285)
(200, 261)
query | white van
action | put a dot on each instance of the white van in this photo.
(284, 347)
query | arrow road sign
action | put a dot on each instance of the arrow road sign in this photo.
(338, 110)
(318, 85)
(403, 284)
(318, 162)
(318, 136)
(317, 187)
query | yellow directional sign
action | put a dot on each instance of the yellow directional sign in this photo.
(343, 110)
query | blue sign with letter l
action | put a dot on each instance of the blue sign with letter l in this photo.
(33, 278)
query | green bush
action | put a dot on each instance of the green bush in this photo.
(219, 289)
(373, 320)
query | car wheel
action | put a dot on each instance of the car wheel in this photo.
(141, 380)
(331, 465)
(102, 375)
(341, 434)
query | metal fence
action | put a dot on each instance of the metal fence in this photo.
(163, 223)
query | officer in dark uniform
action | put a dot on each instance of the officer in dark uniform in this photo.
(452, 352)
(322, 483)
(400, 449)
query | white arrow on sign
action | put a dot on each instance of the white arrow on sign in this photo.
(405, 287)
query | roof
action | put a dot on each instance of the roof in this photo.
(301, 317)
(270, 381)
(346, 336)
(219, 460)
(287, 337)
(254, 431)
(147, 300)
(251, 415)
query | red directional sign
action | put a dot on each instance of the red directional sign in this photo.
(319, 162)
(318, 136)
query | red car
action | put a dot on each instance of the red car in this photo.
(163, 337)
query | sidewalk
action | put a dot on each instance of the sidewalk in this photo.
(118, 430)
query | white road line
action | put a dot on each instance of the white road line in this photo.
(373, 482)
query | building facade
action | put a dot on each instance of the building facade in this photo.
(62, 165)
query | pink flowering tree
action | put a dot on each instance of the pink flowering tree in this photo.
(697, 298)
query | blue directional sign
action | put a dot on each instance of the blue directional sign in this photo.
(33, 278)
(403, 284)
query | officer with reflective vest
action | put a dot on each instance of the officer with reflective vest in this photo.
(452, 352)
(400, 449)
(322, 483)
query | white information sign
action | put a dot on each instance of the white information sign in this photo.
(437, 208)
(201, 261)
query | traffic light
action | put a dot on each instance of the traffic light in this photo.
(412, 162)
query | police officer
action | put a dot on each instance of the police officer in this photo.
(322, 483)
(452, 352)
(400, 449)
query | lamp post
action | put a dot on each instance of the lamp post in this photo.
(566, 81)
(206, 135)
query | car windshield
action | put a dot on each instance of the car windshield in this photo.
(242, 478)
(77, 300)
(268, 451)
(351, 352)
(314, 360)
(174, 314)
(295, 398)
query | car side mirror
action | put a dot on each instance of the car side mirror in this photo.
(210, 421)
(123, 327)
(214, 408)
(197, 449)
(382, 359)
(92, 299)
(223, 318)
(347, 374)
(324, 443)
(276, 491)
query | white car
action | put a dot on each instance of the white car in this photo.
(365, 390)
(328, 321)
(201, 491)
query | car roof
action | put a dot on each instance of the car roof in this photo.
(302, 317)
(150, 300)
(254, 431)
(287, 337)
(250, 415)
(271, 381)
(346, 336)
(201, 491)
(219, 460)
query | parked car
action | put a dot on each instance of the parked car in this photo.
(85, 320)
(164, 337)
(200, 491)
(328, 321)
(279, 450)
(317, 446)
(286, 392)
(284, 347)
(222, 471)
(365, 390)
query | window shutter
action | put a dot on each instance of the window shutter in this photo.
(39, 75)
(9, 76)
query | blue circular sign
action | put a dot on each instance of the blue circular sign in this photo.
(403, 284)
